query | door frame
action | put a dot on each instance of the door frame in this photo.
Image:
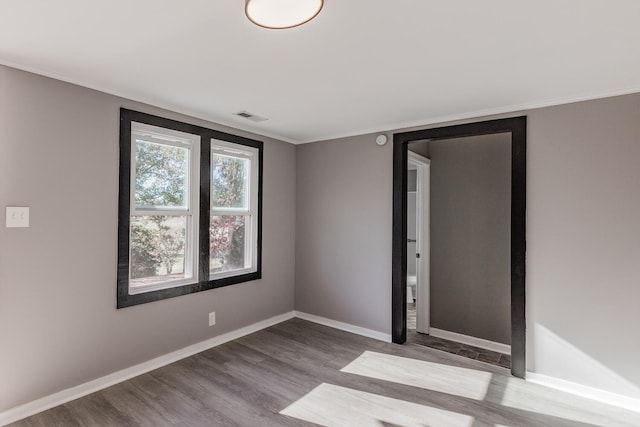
(518, 128)
(423, 166)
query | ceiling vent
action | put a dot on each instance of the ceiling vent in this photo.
(250, 116)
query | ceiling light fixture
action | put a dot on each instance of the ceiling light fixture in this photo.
(280, 14)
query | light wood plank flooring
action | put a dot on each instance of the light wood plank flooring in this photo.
(299, 373)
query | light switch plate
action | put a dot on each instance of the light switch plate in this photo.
(17, 216)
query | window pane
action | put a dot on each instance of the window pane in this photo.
(229, 181)
(157, 249)
(161, 175)
(227, 243)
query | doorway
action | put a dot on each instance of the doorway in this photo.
(516, 127)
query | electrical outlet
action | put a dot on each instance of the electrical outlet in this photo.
(17, 217)
(212, 318)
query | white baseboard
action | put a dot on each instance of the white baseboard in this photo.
(603, 396)
(466, 339)
(64, 396)
(358, 330)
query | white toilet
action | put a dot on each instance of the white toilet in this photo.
(411, 288)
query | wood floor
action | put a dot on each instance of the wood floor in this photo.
(299, 373)
(464, 350)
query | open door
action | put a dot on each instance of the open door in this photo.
(422, 167)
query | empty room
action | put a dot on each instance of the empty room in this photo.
(319, 212)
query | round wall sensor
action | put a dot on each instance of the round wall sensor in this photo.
(381, 139)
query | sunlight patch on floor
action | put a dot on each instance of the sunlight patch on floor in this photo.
(463, 382)
(331, 405)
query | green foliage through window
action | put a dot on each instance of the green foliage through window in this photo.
(161, 175)
(229, 181)
(157, 247)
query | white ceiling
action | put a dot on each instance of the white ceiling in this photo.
(361, 66)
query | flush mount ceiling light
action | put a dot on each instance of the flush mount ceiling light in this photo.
(280, 14)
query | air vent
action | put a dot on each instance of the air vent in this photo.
(250, 116)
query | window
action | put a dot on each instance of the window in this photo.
(189, 216)
(164, 206)
(234, 201)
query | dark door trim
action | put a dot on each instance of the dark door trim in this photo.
(518, 128)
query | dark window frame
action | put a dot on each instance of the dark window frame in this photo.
(202, 283)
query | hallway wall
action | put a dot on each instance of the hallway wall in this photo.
(471, 236)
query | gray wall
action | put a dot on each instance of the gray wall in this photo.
(343, 231)
(583, 229)
(58, 323)
(470, 236)
(420, 147)
(583, 251)
(412, 180)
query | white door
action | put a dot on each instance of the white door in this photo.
(422, 166)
